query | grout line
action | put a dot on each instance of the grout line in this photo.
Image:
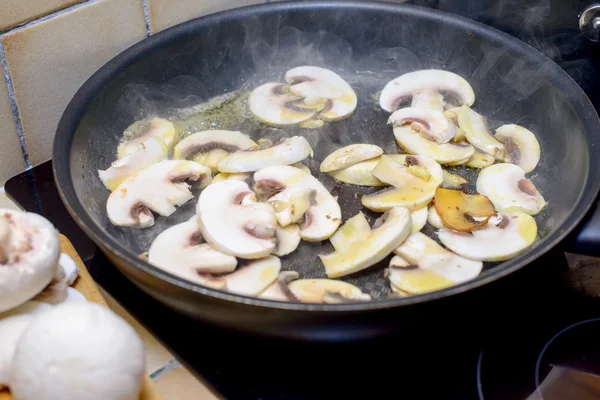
(13, 105)
(147, 18)
(171, 365)
(47, 16)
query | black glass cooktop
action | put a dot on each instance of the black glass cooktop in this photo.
(539, 341)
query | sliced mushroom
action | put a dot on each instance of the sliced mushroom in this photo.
(355, 229)
(429, 80)
(279, 290)
(392, 229)
(434, 219)
(141, 131)
(428, 99)
(359, 174)
(350, 155)
(273, 105)
(444, 153)
(29, 254)
(409, 190)
(520, 146)
(288, 239)
(504, 237)
(180, 250)
(159, 188)
(419, 219)
(323, 89)
(326, 291)
(453, 181)
(425, 266)
(463, 212)
(480, 160)
(233, 222)
(222, 176)
(430, 123)
(253, 278)
(287, 151)
(477, 132)
(506, 186)
(149, 152)
(290, 190)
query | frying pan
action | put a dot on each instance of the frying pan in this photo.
(176, 72)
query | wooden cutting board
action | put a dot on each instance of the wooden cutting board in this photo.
(86, 285)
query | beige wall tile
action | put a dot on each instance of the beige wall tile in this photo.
(11, 156)
(14, 12)
(49, 61)
(166, 13)
(179, 384)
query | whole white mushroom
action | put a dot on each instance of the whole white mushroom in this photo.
(78, 351)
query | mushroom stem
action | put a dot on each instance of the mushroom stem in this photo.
(4, 239)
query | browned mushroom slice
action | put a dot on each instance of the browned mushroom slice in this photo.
(322, 290)
(463, 212)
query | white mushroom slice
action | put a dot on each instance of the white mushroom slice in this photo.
(504, 237)
(444, 153)
(477, 132)
(303, 168)
(413, 83)
(210, 147)
(149, 152)
(321, 87)
(409, 191)
(426, 266)
(253, 278)
(157, 128)
(287, 151)
(434, 218)
(431, 123)
(520, 146)
(419, 219)
(356, 229)
(159, 188)
(284, 184)
(279, 290)
(233, 222)
(428, 99)
(288, 239)
(453, 181)
(359, 174)
(222, 176)
(180, 251)
(350, 155)
(480, 160)
(29, 254)
(508, 189)
(368, 251)
(322, 290)
(273, 105)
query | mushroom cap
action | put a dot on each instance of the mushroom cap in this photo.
(78, 350)
(316, 290)
(521, 147)
(288, 239)
(432, 124)
(427, 80)
(444, 153)
(426, 266)
(349, 155)
(11, 329)
(158, 128)
(149, 152)
(287, 151)
(32, 251)
(272, 104)
(58, 289)
(504, 237)
(323, 215)
(477, 132)
(279, 290)
(180, 251)
(367, 251)
(159, 188)
(318, 85)
(205, 141)
(508, 189)
(233, 222)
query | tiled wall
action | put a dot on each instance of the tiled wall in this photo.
(48, 48)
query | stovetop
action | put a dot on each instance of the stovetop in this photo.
(537, 342)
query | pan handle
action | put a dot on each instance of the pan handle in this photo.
(585, 238)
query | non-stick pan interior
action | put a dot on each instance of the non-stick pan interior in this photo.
(226, 56)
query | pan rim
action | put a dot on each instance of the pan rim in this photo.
(69, 121)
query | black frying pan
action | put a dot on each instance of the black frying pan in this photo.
(368, 44)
